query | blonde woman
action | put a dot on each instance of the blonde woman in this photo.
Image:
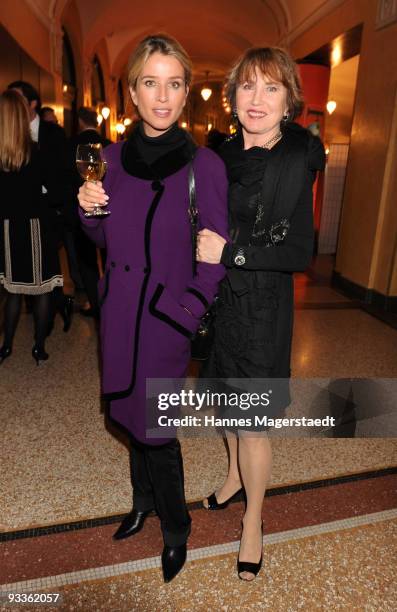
(271, 164)
(151, 299)
(29, 263)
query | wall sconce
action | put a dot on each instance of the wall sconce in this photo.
(120, 128)
(184, 125)
(65, 88)
(99, 118)
(331, 106)
(206, 91)
(105, 112)
(336, 55)
(127, 121)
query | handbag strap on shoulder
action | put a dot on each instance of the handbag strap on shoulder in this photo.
(193, 215)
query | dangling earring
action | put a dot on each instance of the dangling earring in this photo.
(234, 114)
(286, 117)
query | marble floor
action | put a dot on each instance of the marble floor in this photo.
(64, 484)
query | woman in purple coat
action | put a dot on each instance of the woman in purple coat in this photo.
(151, 301)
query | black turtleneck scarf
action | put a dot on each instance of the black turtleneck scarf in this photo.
(149, 156)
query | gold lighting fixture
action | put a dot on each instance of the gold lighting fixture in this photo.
(206, 91)
(331, 106)
(105, 112)
(120, 128)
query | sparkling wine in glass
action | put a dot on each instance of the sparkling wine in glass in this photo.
(91, 166)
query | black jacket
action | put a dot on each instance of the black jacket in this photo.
(287, 187)
(52, 148)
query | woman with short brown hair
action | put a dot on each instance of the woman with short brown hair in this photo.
(271, 164)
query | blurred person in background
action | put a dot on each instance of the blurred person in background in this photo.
(51, 141)
(29, 262)
(48, 114)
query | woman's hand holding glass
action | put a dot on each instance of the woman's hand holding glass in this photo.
(91, 165)
(90, 195)
(209, 247)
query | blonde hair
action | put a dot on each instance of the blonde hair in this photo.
(158, 43)
(276, 64)
(15, 138)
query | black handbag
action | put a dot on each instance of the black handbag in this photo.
(202, 341)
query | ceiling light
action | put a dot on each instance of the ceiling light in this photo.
(206, 91)
(331, 106)
(105, 112)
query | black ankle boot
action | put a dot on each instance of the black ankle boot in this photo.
(39, 354)
(172, 560)
(5, 352)
(131, 524)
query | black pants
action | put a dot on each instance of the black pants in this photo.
(88, 266)
(158, 483)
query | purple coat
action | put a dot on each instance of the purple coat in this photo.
(148, 280)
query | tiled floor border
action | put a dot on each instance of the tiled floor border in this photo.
(111, 571)
(195, 505)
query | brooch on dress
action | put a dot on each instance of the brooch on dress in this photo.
(278, 232)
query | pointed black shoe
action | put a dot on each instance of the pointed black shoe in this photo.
(39, 354)
(213, 502)
(5, 352)
(172, 560)
(131, 524)
(66, 312)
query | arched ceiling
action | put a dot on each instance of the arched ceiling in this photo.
(214, 32)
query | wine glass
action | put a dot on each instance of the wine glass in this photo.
(91, 166)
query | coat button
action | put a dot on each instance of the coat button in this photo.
(113, 264)
(127, 268)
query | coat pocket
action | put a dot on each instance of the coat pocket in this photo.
(165, 307)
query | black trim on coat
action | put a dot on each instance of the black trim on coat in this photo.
(164, 317)
(148, 226)
(199, 296)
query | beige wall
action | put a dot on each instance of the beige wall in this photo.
(342, 89)
(359, 254)
(27, 30)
